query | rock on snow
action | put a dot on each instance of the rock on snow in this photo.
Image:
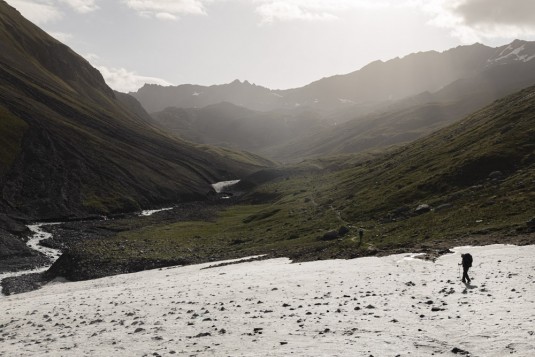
(387, 306)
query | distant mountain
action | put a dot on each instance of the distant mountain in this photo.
(228, 125)
(155, 98)
(412, 118)
(383, 104)
(70, 146)
(375, 84)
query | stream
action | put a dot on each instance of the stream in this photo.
(34, 243)
(53, 254)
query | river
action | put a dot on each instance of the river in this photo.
(53, 254)
(34, 243)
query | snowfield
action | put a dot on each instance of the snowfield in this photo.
(389, 306)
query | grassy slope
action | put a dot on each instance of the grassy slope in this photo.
(11, 133)
(448, 167)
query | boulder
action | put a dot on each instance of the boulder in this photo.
(330, 235)
(496, 175)
(342, 231)
(423, 208)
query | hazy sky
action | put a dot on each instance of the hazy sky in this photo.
(274, 43)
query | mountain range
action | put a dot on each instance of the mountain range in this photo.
(376, 83)
(382, 104)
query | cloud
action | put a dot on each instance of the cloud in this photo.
(497, 12)
(91, 57)
(167, 9)
(37, 11)
(126, 81)
(81, 6)
(45, 11)
(286, 11)
(61, 36)
(475, 20)
(166, 16)
(311, 10)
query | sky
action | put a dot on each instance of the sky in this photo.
(278, 44)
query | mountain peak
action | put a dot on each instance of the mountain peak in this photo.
(518, 50)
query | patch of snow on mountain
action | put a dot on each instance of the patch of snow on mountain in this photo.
(511, 53)
(220, 186)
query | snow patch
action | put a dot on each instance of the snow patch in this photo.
(150, 212)
(220, 186)
(360, 307)
(515, 54)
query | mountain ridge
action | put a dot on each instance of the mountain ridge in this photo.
(374, 83)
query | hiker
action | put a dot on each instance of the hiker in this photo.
(361, 233)
(466, 263)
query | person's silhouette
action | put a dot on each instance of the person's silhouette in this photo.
(467, 263)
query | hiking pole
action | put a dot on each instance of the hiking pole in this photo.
(459, 271)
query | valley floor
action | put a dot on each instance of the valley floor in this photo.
(381, 306)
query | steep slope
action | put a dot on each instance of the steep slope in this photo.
(446, 165)
(70, 147)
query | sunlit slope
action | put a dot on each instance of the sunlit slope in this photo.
(74, 148)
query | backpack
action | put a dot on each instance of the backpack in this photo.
(467, 260)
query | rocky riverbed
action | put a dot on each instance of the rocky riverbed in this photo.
(27, 268)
